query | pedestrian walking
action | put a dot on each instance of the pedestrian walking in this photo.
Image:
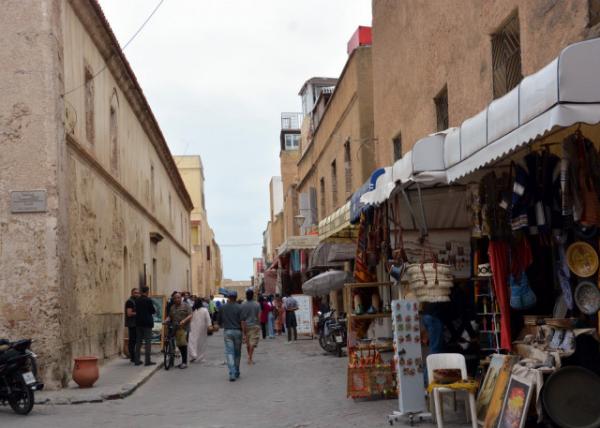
(291, 306)
(231, 321)
(251, 311)
(270, 318)
(144, 321)
(263, 316)
(200, 325)
(130, 323)
(180, 314)
(279, 314)
(212, 308)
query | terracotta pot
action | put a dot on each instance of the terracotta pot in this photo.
(85, 371)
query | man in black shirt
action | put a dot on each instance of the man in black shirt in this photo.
(230, 318)
(130, 322)
(144, 321)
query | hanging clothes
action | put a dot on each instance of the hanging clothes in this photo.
(498, 252)
(564, 276)
(361, 268)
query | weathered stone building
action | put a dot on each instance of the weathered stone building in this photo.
(206, 255)
(337, 149)
(91, 202)
(437, 63)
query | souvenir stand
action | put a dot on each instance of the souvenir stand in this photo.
(528, 169)
(531, 164)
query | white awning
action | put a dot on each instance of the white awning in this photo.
(335, 223)
(565, 92)
(302, 242)
(384, 186)
(424, 163)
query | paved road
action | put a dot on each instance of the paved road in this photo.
(290, 386)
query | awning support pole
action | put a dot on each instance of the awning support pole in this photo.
(423, 228)
(410, 209)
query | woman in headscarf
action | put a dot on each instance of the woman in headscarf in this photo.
(200, 325)
(279, 314)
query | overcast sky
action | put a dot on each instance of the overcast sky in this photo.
(217, 74)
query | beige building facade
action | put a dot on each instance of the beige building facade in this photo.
(338, 152)
(206, 255)
(437, 63)
(91, 203)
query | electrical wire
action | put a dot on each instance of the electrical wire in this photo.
(105, 66)
(241, 245)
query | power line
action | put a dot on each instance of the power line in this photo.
(122, 49)
(242, 245)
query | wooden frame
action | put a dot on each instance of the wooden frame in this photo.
(516, 403)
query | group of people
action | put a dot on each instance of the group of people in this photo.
(189, 315)
(242, 324)
(194, 319)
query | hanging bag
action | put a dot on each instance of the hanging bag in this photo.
(521, 295)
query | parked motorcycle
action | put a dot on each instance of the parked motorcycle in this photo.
(18, 375)
(332, 333)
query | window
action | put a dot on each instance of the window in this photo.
(441, 109)
(152, 188)
(170, 211)
(594, 12)
(322, 189)
(89, 104)
(208, 252)
(348, 168)
(114, 133)
(292, 141)
(397, 143)
(506, 57)
(334, 195)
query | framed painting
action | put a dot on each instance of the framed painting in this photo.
(491, 395)
(516, 403)
(160, 303)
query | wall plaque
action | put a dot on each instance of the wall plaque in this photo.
(30, 201)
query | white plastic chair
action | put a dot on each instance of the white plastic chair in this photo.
(450, 361)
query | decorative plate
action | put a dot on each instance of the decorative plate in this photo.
(587, 297)
(582, 259)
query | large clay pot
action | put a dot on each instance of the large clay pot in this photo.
(85, 371)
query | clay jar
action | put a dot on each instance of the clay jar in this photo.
(85, 371)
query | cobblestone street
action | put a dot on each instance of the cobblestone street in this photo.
(290, 386)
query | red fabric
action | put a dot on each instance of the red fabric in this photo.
(498, 253)
(520, 257)
(264, 312)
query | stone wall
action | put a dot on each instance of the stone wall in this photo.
(419, 47)
(348, 118)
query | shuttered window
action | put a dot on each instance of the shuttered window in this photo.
(506, 57)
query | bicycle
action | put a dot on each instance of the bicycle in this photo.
(170, 348)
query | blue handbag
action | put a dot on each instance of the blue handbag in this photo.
(521, 295)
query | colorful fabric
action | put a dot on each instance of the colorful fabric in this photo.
(361, 269)
(462, 385)
(498, 255)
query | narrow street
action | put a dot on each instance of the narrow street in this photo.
(290, 386)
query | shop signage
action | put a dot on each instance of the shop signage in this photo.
(30, 201)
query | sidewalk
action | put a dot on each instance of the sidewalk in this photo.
(119, 378)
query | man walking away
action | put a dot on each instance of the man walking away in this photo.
(231, 321)
(250, 324)
(144, 321)
(180, 315)
(212, 308)
(130, 323)
(291, 306)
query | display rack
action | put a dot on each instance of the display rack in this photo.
(488, 315)
(369, 375)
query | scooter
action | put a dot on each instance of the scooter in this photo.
(332, 333)
(18, 375)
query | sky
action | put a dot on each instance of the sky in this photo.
(217, 75)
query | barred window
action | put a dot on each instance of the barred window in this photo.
(334, 194)
(441, 109)
(323, 208)
(397, 143)
(90, 130)
(506, 57)
(348, 168)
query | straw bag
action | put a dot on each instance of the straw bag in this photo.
(430, 281)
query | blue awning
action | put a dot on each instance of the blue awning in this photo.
(356, 205)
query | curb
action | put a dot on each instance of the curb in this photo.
(125, 391)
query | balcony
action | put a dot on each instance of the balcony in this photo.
(291, 121)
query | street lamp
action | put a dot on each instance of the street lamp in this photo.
(299, 220)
